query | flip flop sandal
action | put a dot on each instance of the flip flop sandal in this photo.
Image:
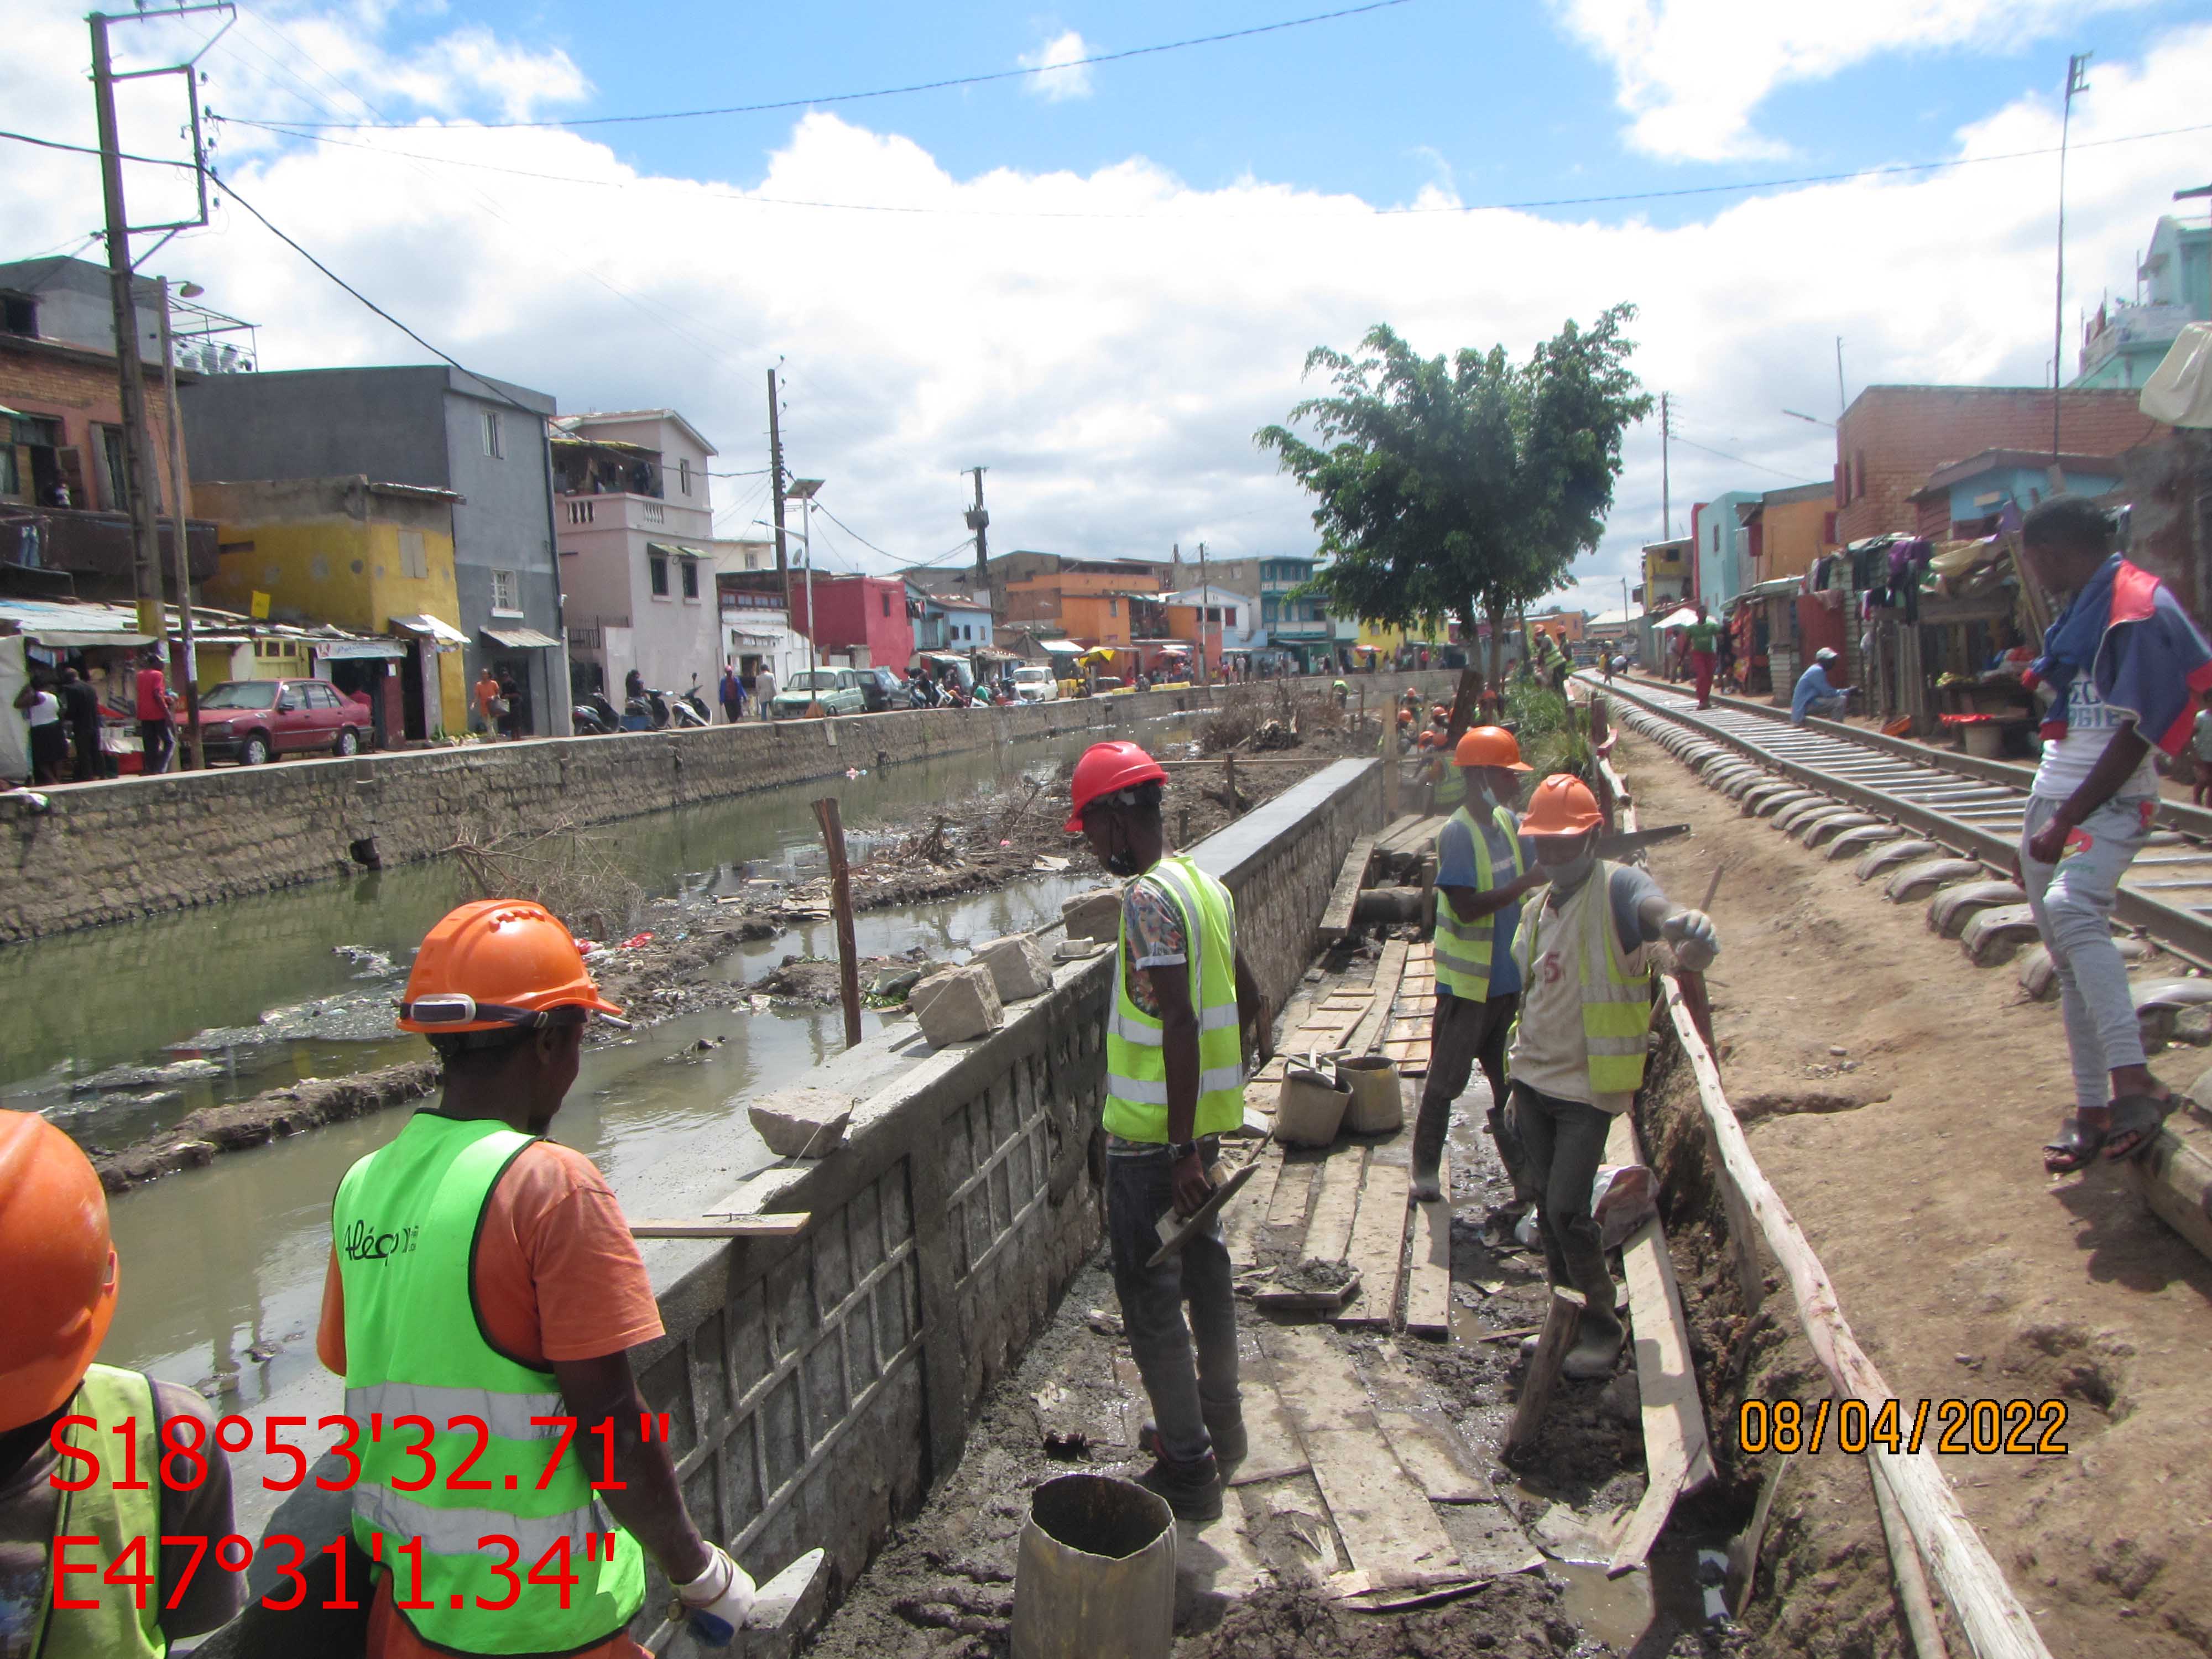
(2074, 1148)
(2139, 1115)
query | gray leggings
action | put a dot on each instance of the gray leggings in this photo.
(2073, 905)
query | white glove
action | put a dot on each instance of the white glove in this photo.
(1695, 941)
(718, 1600)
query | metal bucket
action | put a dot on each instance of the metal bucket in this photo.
(1378, 1105)
(1095, 1575)
(1308, 1108)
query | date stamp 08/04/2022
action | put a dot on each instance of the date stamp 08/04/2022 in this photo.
(1949, 1427)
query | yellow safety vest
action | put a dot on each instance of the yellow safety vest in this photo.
(1136, 1059)
(1462, 948)
(1616, 989)
(1451, 787)
(117, 1629)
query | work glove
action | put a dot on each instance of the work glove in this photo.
(718, 1600)
(1695, 941)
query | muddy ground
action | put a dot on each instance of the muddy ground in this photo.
(1912, 1162)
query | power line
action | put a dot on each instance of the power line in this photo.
(1024, 73)
(1759, 466)
(855, 534)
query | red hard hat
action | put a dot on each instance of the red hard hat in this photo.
(61, 1267)
(1105, 768)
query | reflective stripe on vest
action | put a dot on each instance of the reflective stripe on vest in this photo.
(116, 1629)
(405, 1222)
(1462, 948)
(1616, 991)
(1136, 1061)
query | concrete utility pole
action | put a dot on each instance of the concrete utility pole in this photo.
(2075, 82)
(187, 669)
(1666, 498)
(776, 480)
(1205, 599)
(980, 522)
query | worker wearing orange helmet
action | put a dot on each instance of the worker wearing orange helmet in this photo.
(475, 1261)
(1483, 871)
(1183, 999)
(58, 1546)
(1577, 1054)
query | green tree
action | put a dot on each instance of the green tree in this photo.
(1466, 486)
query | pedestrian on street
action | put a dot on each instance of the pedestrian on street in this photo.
(486, 695)
(509, 706)
(1701, 641)
(1577, 1054)
(42, 712)
(1484, 870)
(2127, 668)
(519, 1290)
(1183, 999)
(1815, 693)
(733, 693)
(94, 1543)
(764, 688)
(81, 711)
(157, 732)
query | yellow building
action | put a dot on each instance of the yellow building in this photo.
(1789, 529)
(375, 558)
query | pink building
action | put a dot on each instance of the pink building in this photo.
(862, 617)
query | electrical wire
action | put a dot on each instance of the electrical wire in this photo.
(1025, 72)
(1758, 466)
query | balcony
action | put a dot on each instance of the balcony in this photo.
(2126, 325)
(89, 543)
(625, 510)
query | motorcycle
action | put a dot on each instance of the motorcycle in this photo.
(647, 711)
(595, 716)
(688, 709)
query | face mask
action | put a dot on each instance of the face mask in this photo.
(1122, 862)
(1478, 792)
(1565, 877)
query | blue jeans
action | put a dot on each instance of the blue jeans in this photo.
(1186, 1392)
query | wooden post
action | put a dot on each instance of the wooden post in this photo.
(1560, 1325)
(841, 904)
(1911, 1578)
(1229, 767)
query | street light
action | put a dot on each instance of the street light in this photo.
(803, 491)
(1814, 419)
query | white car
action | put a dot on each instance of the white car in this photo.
(1035, 684)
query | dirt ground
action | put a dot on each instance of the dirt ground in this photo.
(1898, 1097)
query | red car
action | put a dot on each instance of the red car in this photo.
(253, 722)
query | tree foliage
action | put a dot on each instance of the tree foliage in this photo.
(1464, 487)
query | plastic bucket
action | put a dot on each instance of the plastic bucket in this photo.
(1309, 1109)
(1095, 1573)
(1378, 1108)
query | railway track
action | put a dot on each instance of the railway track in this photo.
(1886, 788)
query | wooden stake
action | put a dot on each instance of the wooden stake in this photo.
(1565, 1315)
(841, 906)
(1911, 1578)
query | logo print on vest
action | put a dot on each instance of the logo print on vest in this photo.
(363, 1244)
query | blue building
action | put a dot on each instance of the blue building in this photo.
(2126, 340)
(1964, 499)
(1723, 547)
(946, 621)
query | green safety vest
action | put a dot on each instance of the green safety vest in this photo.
(404, 1222)
(1451, 787)
(1616, 990)
(1136, 1061)
(117, 1629)
(1462, 948)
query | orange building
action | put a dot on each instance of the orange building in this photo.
(1789, 529)
(1092, 601)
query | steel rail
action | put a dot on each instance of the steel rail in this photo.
(1919, 795)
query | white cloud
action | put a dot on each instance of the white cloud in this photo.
(1107, 342)
(1063, 74)
(1693, 72)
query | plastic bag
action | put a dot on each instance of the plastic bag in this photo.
(1622, 1198)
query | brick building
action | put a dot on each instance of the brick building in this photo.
(1894, 437)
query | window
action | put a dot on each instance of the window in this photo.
(690, 579)
(1113, 607)
(506, 593)
(491, 434)
(887, 604)
(684, 476)
(656, 565)
(19, 315)
(414, 558)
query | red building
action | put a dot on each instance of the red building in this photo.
(864, 617)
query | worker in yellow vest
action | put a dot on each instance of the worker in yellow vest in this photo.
(1482, 871)
(1578, 1052)
(1183, 999)
(90, 1573)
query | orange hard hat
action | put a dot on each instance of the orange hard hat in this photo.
(1426, 740)
(1562, 805)
(1106, 769)
(495, 963)
(1489, 745)
(62, 1271)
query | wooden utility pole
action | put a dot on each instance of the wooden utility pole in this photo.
(841, 906)
(775, 490)
(1205, 599)
(2075, 82)
(980, 522)
(187, 667)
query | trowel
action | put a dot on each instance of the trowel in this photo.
(784, 1609)
(1177, 1230)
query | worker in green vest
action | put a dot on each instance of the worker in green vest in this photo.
(1576, 1058)
(1482, 871)
(1183, 1000)
(484, 1281)
(89, 1573)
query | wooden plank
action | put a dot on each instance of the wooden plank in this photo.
(1389, 970)
(1378, 1249)
(1284, 1228)
(1336, 918)
(1336, 1201)
(1542, 1375)
(782, 1224)
(1246, 1215)
(1428, 1285)
(1427, 1450)
(1392, 1535)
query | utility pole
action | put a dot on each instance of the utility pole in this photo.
(776, 480)
(2076, 81)
(1204, 600)
(980, 522)
(1840, 377)
(1666, 497)
(187, 668)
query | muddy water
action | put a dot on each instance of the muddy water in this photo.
(222, 1266)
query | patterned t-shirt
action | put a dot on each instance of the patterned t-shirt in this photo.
(1156, 940)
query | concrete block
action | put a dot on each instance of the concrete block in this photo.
(957, 1005)
(801, 1122)
(1095, 915)
(1019, 966)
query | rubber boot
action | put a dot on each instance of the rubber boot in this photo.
(1194, 1490)
(1598, 1340)
(1430, 1127)
(1227, 1434)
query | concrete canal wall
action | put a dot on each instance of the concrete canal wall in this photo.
(819, 1384)
(106, 852)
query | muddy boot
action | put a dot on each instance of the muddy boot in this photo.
(1598, 1339)
(1429, 1131)
(1194, 1490)
(1230, 1442)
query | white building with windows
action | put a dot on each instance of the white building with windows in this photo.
(636, 520)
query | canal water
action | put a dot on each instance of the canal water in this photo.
(222, 1267)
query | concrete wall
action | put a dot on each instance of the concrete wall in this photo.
(818, 1385)
(106, 852)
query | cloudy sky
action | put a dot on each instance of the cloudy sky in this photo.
(1098, 279)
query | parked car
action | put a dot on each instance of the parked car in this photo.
(881, 688)
(253, 722)
(1033, 683)
(838, 689)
